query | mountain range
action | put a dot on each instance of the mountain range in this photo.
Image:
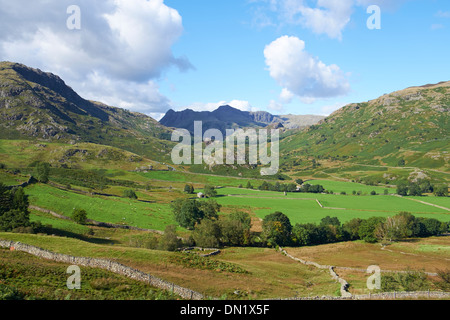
(227, 117)
(406, 128)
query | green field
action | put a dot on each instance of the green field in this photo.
(303, 207)
(349, 187)
(299, 207)
(105, 209)
(185, 177)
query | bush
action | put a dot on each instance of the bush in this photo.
(129, 193)
(170, 241)
(444, 283)
(207, 234)
(79, 216)
(9, 293)
(408, 281)
(41, 172)
(189, 189)
(277, 229)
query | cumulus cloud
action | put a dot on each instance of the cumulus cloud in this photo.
(301, 74)
(329, 17)
(120, 50)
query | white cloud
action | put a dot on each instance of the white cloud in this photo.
(275, 106)
(436, 26)
(329, 109)
(122, 47)
(329, 17)
(443, 14)
(302, 74)
(286, 96)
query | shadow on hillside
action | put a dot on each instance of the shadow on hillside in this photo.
(69, 234)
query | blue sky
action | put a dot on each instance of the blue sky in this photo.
(225, 42)
(281, 56)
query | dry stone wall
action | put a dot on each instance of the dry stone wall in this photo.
(334, 275)
(346, 295)
(104, 264)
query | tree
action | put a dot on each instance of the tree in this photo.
(233, 232)
(13, 209)
(210, 191)
(330, 221)
(79, 216)
(402, 189)
(264, 186)
(414, 190)
(42, 171)
(236, 229)
(249, 185)
(352, 227)
(189, 189)
(207, 234)
(243, 217)
(6, 203)
(392, 229)
(129, 193)
(209, 208)
(170, 241)
(187, 212)
(277, 229)
(441, 191)
(433, 227)
(367, 229)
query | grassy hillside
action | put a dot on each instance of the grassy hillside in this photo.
(22, 153)
(41, 107)
(406, 129)
(32, 278)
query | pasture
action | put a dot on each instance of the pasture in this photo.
(304, 208)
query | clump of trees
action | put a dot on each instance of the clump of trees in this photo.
(14, 214)
(232, 230)
(277, 229)
(129, 193)
(421, 186)
(288, 187)
(189, 212)
(210, 230)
